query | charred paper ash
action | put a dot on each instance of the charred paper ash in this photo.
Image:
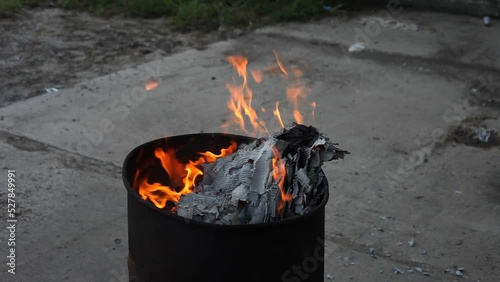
(267, 180)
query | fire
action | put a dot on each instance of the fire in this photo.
(295, 92)
(183, 176)
(211, 157)
(240, 102)
(313, 105)
(279, 175)
(152, 84)
(257, 76)
(276, 112)
(180, 174)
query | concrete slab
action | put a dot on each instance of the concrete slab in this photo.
(71, 217)
(357, 99)
(448, 206)
(385, 106)
(398, 31)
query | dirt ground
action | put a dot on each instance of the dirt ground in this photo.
(52, 48)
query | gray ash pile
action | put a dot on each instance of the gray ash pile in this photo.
(267, 180)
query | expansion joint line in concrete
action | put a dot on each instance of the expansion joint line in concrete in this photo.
(12, 139)
(388, 57)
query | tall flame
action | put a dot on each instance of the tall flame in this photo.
(240, 102)
(257, 76)
(211, 157)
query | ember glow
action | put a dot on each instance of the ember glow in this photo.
(152, 84)
(182, 176)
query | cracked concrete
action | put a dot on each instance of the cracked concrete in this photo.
(390, 105)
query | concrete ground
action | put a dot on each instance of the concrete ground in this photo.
(406, 107)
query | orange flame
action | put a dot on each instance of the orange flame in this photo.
(241, 100)
(183, 175)
(313, 105)
(293, 94)
(211, 157)
(279, 175)
(180, 174)
(280, 65)
(257, 76)
(152, 84)
(240, 103)
(276, 112)
(295, 91)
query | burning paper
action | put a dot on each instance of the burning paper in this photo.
(267, 180)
